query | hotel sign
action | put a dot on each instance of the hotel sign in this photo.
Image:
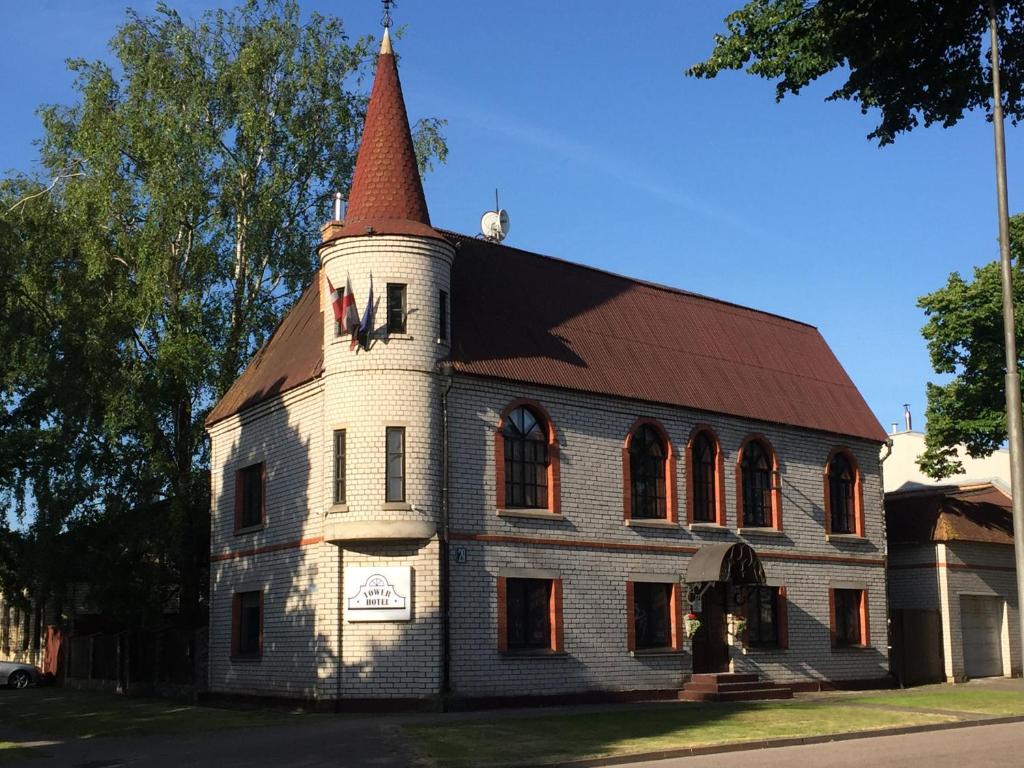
(378, 594)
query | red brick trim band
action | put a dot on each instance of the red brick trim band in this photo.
(496, 538)
(954, 567)
(268, 548)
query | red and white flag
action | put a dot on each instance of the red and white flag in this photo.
(349, 319)
(336, 301)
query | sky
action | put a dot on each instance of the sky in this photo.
(606, 154)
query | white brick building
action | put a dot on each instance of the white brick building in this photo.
(500, 494)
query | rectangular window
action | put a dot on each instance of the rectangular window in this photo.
(528, 613)
(396, 308)
(849, 617)
(247, 618)
(395, 465)
(764, 618)
(652, 615)
(249, 493)
(339, 466)
(442, 315)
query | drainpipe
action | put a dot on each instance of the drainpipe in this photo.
(443, 558)
(885, 565)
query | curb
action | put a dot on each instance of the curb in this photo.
(746, 746)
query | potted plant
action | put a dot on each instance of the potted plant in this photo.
(692, 624)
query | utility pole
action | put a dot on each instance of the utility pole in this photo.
(1014, 428)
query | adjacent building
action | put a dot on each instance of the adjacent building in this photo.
(532, 478)
(952, 579)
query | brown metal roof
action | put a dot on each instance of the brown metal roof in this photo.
(529, 318)
(981, 513)
(525, 317)
(292, 356)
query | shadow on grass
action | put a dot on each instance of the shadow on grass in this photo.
(65, 714)
(538, 740)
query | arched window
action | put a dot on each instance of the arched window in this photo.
(758, 486)
(525, 438)
(648, 456)
(704, 478)
(842, 494)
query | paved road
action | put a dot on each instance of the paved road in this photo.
(351, 744)
(982, 746)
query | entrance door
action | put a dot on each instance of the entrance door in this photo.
(981, 619)
(710, 652)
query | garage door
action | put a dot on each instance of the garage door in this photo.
(982, 622)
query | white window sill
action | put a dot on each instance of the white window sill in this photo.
(641, 652)
(533, 653)
(530, 514)
(391, 506)
(337, 509)
(645, 522)
(759, 532)
(711, 527)
(851, 538)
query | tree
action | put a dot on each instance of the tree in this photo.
(189, 181)
(965, 339)
(909, 59)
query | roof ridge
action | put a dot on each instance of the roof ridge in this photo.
(635, 280)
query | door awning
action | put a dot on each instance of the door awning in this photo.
(732, 563)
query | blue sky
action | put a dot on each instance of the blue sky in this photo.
(606, 154)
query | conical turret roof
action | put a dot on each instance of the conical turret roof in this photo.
(387, 194)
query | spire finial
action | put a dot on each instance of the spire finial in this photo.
(385, 20)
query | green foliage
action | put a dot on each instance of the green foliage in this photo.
(910, 60)
(190, 178)
(965, 339)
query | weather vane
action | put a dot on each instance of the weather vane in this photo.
(385, 20)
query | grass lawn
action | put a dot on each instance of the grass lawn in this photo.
(11, 751)
(977, 701)
(57, 713)
(554, 737)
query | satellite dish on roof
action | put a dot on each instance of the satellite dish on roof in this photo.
(494, 225)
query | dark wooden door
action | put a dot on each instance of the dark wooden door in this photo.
(710, 651)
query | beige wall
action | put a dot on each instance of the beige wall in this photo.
(902, 472)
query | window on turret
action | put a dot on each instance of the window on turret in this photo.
(442, 314)
(395, 464)
(396, 308)
(339, 466)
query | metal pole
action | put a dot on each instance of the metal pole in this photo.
(1014, 428)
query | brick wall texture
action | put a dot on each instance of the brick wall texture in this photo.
(298, 558)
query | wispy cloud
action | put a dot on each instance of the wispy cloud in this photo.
(612, 164)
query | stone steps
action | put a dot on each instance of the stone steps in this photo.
(728, 686)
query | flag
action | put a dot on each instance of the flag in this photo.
(349, 314)
(336, 302)
(362, 336)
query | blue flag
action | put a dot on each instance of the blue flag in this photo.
(362, 336)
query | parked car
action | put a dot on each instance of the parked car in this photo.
(18, 675)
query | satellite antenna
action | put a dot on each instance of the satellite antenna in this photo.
(494, 224)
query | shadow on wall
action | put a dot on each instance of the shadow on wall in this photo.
(286, 564)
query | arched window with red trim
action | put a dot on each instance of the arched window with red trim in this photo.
(704, 478)
(526, 453)
(758, 496)
(843, 511)
(648, 473)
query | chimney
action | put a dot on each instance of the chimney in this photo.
(906, 417)
(895, 428)
(338, 214)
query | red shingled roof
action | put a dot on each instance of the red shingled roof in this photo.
(529, 318)
(525, 317)
(981, 513)
(292, 356)
(386, 185)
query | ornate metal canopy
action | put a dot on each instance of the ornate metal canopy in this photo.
(729, 563)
